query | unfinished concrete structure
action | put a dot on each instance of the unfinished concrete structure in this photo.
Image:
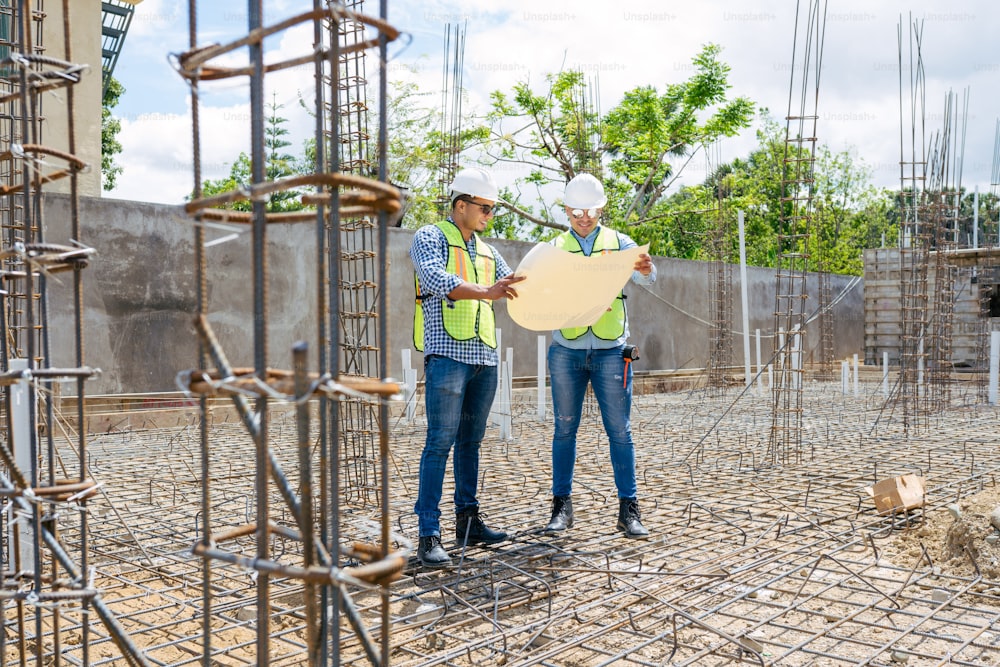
(218, 526)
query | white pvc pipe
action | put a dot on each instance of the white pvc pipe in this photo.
(975, 219)
(781, 359)
(920, 368)
(975, 224)
(20, 417)
(844, 372)
(994, 365)
(760, 365)
(495, 410)
(409, 386)
(506, 393)
(744, 287)
(856, 375)
(796, 364)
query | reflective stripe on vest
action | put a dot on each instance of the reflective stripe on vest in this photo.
(469, 318)
(611, 326)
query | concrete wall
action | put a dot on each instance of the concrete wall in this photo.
(140, 297)
(140, 293)
(85, 21)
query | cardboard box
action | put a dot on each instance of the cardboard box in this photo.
(895, 494)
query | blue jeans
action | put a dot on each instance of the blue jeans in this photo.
(457, 397)
(569, 372)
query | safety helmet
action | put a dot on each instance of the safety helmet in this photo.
(584, 192)
(475, 182)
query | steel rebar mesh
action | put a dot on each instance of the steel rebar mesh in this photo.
(747, 562)
(794, 564)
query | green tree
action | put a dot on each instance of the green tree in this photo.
(648, 128)
(848, 213)
(417, 149)
(412, 160)
(279, 163)
(110, 127)
(556, 133)
(510, 222)
(553, 134)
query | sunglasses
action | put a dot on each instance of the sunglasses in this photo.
(486, 208)
(579, 213)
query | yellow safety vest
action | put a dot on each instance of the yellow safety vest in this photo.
(611, 326)
(469, 318)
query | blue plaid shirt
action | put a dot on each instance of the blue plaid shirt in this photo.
(589, 341)
(429, 253)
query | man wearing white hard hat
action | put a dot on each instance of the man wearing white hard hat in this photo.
(458, 277)
(595, 355)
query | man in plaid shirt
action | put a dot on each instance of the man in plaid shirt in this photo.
(458, 276)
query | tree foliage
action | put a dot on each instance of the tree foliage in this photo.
(646, 139)
(418, 148)
(110, 127)
(848, 214)
(550, 133)
(651, 136)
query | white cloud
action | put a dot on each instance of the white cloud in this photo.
(157, 146)
(155, 18)
(157, 155)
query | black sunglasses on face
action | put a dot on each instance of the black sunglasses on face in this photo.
(486, 208)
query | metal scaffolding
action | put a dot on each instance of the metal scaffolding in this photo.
(116, 17)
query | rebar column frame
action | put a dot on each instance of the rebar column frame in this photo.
(325, 579)
(720, 358)
(46, 493)
(915, 233)
(793, 237)
(452, 96)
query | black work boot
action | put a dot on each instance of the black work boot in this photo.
(430, 553)
(628, 518)
(469, 524)
(562, 515)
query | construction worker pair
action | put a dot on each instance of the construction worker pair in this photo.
(628, 517)
(469, 530)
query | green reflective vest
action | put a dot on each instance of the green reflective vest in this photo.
(611, 326)
(468, 319)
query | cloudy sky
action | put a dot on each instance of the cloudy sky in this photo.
(640, 42)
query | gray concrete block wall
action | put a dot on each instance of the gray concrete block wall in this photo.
(140, 297)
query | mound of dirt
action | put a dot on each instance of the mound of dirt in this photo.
(956, 544)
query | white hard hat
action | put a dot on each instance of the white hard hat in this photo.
(584, 191)
(475, 182)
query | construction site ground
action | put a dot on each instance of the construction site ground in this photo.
(758, 554)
